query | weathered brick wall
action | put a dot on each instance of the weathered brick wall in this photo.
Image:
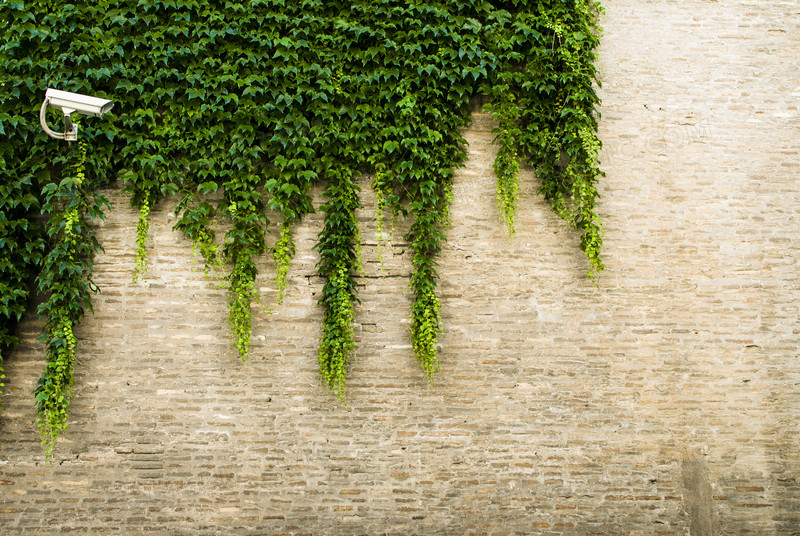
(664, 401)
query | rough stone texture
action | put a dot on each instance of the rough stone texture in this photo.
(665, 401)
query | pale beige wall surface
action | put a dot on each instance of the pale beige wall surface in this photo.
(664, 401)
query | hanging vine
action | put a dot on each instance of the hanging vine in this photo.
(506, 164)
(282, 253)
(243, 244)
(338, 262)
(65, 279)
(142, 236)
(196, 224)
(381, 193)
(545, 100)
(242, 107)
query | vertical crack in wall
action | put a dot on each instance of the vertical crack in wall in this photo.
(697, 497)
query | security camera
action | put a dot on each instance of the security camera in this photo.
(71, 103)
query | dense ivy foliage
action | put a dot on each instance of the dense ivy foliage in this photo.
(544, 98)
(22, 246)
(256, 102)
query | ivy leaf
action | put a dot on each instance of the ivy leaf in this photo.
(206, 187)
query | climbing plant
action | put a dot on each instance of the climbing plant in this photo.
(22, 246)
(242, 107)
(338, 262)
(544, 96)
(65, 278)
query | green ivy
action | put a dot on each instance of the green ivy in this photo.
(243, 244)
(338, 243)
(506, 164)
(544, 97)
(142, 236)
(65, 279)
(22, 246)
(196, 224)
(381, 186)
(242, 107)
(241, 295)
(282, 253)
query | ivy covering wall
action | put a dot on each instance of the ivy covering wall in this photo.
(259, 101)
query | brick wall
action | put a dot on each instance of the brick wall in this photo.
(664, 401)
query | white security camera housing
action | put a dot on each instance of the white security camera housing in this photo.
(71, 103)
